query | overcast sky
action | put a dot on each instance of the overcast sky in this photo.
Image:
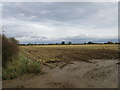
(50, 22)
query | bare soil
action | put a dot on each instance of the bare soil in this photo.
(96, 73)
(69, 53)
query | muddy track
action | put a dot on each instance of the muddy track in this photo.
(77, 74)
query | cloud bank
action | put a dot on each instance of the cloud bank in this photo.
(52, 22)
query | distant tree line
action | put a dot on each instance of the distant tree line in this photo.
(70, 43)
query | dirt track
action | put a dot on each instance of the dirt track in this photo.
(77, 74)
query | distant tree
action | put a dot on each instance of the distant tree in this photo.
(109, 42)
(29, 44)
(49, 44)
(63, 42)
(90, 42)
(116, 42)
(69, 43)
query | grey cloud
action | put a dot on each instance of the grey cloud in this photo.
(82, 39)
(53, 22)
(35, 37)
(65, 11)
(74, 39)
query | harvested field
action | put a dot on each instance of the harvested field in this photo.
(70, 66)
(69, 53)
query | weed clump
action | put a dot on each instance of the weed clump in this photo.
(22, 66)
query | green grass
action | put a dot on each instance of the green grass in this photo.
(21, 66)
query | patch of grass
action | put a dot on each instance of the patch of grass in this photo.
(21, 66)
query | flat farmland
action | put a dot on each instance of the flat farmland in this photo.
(69, 53)
(70, 66)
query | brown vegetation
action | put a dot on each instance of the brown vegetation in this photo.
(69, 53)
(9, 49)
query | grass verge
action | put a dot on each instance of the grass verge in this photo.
(19, 66)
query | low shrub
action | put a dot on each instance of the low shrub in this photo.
(9, 49)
